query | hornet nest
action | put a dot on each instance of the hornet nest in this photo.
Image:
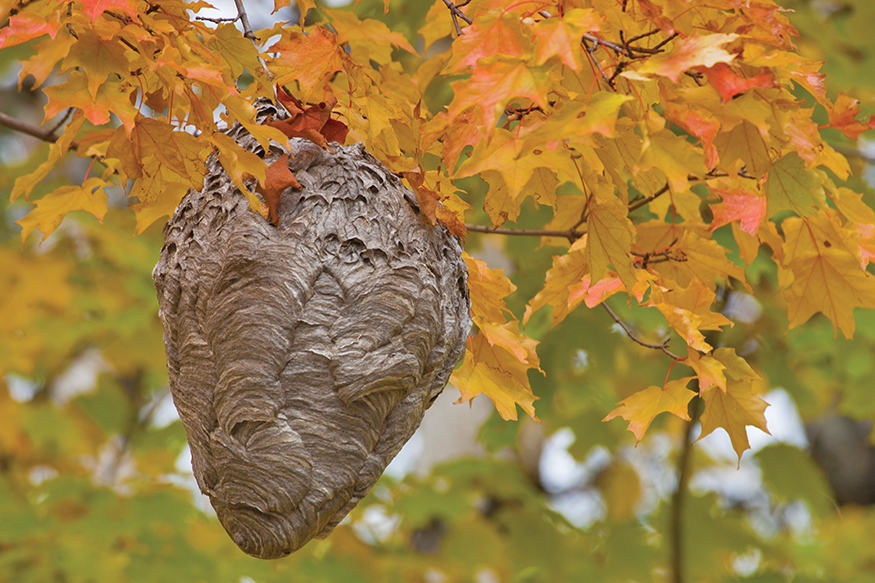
(303, 356)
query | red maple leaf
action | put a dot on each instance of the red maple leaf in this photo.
(313, 123)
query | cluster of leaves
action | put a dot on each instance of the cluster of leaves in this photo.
(681, 155)
(642, 112)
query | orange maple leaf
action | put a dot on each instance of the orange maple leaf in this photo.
(306, 58)
(749, 208)
(278, 178)
(641, 408)
(729, 84)
(693, 51)
(842, 116)
(488, 36)
(496, 81)
(559, 36)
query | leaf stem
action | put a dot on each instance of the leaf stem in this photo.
(663, 346)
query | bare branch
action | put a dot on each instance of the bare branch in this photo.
(636, 204)
(244, 19)
(591, 50)
(572, 235)
(663, 346)
(456, 14)
(25, 128)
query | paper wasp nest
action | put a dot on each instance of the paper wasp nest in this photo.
(302, 356)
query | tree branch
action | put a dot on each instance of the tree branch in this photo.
(26, 128)
(244, 19)
(572, 235)
(663, 346)
(676, 520)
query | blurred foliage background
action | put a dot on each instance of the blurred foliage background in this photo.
(95, 485)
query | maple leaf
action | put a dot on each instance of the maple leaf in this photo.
(559, 36)
(688, 311)
(609, 239)
(673, 156)
(496, 81)
(729, 84)
(278, 178)
(749, 208)
(642, 407)
(308, 59)
(744, 142)
(350, 29)
(507, 156)
(238, 53)
(488, 289)
(111, 96)
(241, 164)
(98, 58)
(493, 371)
(567, 270)
(690, 256)
(792, 186)
(827, 276)
(699, 124)
(842, 116)
(488, 36)
(52, 208)
(94, 8)
(714, 368)
(177, 151)
(27, 26)
(733, 410)
(313, 123)
(42, 64)
(690, 52)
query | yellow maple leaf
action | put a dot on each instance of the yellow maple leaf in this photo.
(52, 208)
(688, 311)
(609, 239)
(641, 408)
(713, 369)
(488, 289)
(507, 157)
(493, 371)
(568, 269)
(733, 410)
(827, 276)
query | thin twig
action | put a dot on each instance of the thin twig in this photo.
(676, 524)
(570, 234)
(61, 121)
(217, 20)
(591, 50)
(244, 19)
(456, 14)
(663, 346)
(637, 204)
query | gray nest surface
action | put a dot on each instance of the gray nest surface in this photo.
(303, 356)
